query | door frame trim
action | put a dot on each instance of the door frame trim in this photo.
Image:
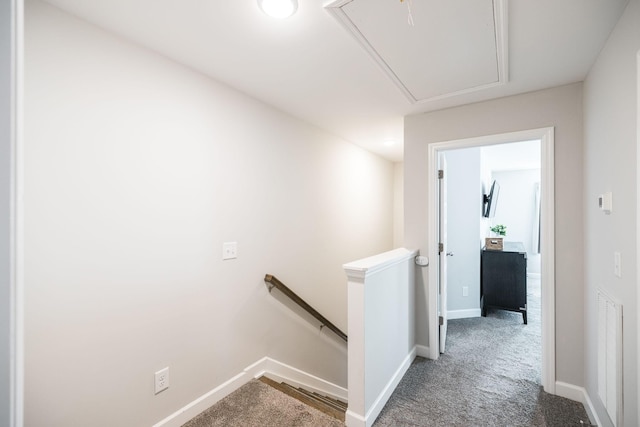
(12, 17)
(638, 207)
(547, 237)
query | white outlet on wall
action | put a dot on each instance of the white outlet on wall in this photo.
(229, 250)
(162, 380)
(617, 264)
(465, 291)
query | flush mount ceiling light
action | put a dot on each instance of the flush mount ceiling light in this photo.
(278, 8)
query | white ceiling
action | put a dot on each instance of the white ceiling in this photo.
(431, 48)
(310, 66)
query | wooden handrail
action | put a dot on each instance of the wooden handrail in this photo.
(274, 282)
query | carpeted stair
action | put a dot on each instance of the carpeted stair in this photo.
(328, 405)
(261, 403)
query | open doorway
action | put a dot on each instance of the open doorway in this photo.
(546, 241)
(472, 175)
(495, 188)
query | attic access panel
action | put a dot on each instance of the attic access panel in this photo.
(453, 46)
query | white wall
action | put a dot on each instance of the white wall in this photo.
(398, 205)
(136, 171)
(464, 211)
(560, 107)
(518, 161)
(516, 204)
(610, 155)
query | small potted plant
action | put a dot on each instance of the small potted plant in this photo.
(499, 230)
(496, 243)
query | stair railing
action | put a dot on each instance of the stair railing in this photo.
(273, 282)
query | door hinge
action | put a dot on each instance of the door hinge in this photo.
(441, 320)
(440, 248)
(440, 174)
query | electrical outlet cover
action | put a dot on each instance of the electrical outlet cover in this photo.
(229, 250)
(161, 380)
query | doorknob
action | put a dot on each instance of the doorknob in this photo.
(449, 253)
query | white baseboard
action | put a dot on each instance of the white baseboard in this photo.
(422, 351)
(591, 411)
(353, 419)
(570, 391)
(281, 372)
(463, 314)
(425, 351)
(578, 394)
(269, 368)
(208, 399)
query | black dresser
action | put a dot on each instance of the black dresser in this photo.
(503, 279)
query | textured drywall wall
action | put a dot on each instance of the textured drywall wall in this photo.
(611, 164)
(137, 169)
(559, 107)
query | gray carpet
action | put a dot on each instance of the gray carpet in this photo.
(488, 376)
(257, 404)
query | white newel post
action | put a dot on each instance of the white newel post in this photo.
(381, 330)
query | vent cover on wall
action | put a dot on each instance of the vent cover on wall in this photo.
(610, 356)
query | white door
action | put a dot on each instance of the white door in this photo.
(442, 250)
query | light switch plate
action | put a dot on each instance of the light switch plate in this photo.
(605, 202)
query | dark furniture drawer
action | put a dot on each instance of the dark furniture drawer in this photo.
(503, 279)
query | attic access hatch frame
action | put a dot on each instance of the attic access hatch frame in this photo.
(337, 8)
